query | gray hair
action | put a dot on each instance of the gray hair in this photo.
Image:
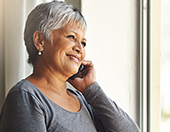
(47, 17)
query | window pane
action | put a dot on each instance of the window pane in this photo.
(165, 68)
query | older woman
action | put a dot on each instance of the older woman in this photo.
(55, 40)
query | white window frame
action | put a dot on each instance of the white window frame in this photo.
(150, 41)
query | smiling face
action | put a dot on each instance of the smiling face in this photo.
(66, 50)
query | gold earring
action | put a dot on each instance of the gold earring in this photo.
(39, 52)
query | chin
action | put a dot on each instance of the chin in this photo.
(74, 69)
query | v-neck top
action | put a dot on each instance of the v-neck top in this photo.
(27, 109)
(34, 107)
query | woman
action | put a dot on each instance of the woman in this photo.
(55, 40)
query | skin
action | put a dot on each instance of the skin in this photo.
(55, 65)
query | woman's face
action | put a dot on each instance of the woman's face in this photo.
(66, 51)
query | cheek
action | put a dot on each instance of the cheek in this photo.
(84, 54)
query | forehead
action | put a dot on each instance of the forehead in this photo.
(73, 27)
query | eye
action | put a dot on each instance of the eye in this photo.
(83, 43)
(71, 37)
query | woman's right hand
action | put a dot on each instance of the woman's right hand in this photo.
(85, 78)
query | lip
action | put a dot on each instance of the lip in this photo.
(76, 58)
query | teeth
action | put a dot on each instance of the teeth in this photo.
(73, 57)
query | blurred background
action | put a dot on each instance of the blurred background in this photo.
(165, 66)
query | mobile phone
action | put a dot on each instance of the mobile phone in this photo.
(75, 75)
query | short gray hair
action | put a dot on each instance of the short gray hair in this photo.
(47, 17)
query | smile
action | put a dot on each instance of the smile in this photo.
(73, 57)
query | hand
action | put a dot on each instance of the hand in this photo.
(85, 78)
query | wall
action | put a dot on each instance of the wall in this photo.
(156, 55)
(113, 46)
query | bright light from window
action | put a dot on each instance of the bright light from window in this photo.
(165, 68)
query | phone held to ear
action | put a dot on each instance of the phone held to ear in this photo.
(75, 75)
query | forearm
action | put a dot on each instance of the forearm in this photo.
(112, 117)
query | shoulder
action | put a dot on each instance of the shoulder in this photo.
(92, 88)
(25, 94)
(23, 85)
(25, 89)
(78, 94)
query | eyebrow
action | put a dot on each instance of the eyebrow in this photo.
(77, 34)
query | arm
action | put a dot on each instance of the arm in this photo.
(113, 118)
(21, 113)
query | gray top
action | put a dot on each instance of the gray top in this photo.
(27, 109)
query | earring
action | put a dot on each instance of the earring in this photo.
(39, 52)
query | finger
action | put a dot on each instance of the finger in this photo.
(71, 81)
(74, 81)
(87, 63)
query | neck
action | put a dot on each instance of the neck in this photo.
(44, 78)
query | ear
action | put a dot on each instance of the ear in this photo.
(38, 40)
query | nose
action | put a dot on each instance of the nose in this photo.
(78, 48)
